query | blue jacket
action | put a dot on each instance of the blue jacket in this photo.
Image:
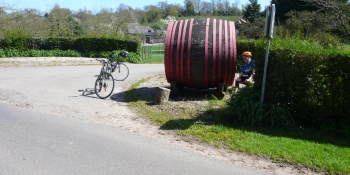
(247, 69)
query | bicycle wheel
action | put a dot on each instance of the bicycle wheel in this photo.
(104, 85)
(121, 72)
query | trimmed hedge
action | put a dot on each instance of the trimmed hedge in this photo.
(79, 44)
(310, 81)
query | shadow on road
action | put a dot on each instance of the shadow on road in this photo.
(88, 92)
(118, 97)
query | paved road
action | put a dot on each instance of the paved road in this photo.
(52, 123)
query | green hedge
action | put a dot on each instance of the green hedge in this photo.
(310, 81)
(79, 44)
(132, 57)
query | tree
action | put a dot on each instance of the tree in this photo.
(214, 7)
(226, 7)
(5, 18)
(197, 6)
(74, 25)
(338, 12)
(33, 22)
(172, 10)
(307, 23)
(235, 11)
(165, 22)
(189, 8)
(285, 6)
(220, 7)
(58, 21)
(252, 30)
(252, 11)
(153, 13)
(124, 15)
(206, 8)
(86, 19)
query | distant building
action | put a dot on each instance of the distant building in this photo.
(148, 34)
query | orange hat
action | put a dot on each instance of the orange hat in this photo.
(247, 53)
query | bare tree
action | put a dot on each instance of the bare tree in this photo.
(4, 16)
(58, 21)
(32, 21)
(86, 18)
(213, 6)
(337, 10)
(219, 6)
(124, 15)
(197, 6)
(234, 8)
(206, 8)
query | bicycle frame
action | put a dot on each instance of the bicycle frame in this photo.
(103, 72)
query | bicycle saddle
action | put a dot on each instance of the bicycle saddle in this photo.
(123, 53)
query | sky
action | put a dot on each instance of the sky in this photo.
(97, 5)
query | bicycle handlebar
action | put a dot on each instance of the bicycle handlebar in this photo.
(123, 53)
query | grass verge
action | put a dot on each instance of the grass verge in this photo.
(200, 114)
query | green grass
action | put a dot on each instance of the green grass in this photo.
(275, 144)
(153, 54)
(155, 59)
(211, 123)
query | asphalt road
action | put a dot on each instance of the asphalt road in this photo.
(52, 123)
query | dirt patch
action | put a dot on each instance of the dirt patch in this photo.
(46, 61)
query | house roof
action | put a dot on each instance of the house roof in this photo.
(137, 28)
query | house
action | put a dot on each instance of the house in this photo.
(148, 34)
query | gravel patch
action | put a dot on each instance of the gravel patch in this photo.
(46, 61)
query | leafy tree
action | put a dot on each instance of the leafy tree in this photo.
(252, 11)
(252, 30)
(165, 22)
(152, 13)
(75, 27)
(309, 24)
(285, 6)
(337, 11)
(172, 10)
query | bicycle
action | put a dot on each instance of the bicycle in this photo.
(104, 84)
(119, 70)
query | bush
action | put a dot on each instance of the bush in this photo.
(132, 57)
(245, 107)
(327, 41)
(20, 41)
(302, 77)
(17, 39)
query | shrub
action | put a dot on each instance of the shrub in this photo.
(17, 39)
(245, 107)
(304, 78)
